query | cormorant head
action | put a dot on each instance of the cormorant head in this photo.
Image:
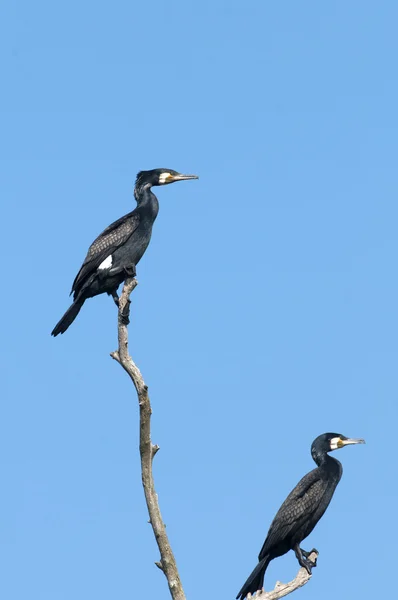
(160, 177)
(332, 441)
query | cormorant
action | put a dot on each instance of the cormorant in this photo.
(115, 253)
(301, 510)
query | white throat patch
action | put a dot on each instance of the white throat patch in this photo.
(106, 264)
(163, 177)
(334, 443)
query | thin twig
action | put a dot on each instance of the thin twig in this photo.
(167, 561)
(283, 589)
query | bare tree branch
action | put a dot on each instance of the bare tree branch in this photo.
(167, 561)
(283, 589)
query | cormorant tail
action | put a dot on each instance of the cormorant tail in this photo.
(68, 317)
(255, 580)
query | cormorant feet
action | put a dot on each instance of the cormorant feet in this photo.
(304, 561)
(307, 554)
(308, 564)
(125, 314)
(130, 270)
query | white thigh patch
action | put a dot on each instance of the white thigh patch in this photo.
(106, 264)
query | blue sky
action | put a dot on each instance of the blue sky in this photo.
(266, 311)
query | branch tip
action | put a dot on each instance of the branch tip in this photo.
(283, 589)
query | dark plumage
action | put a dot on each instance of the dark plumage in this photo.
(115, 253)
(301, 510)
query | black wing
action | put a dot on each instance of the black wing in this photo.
(299, 506)
(105, 244)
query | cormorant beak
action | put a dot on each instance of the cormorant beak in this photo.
(181, 177)
(350, 441)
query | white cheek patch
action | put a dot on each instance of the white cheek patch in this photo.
(334, 443)
(164, 177)
(106, 264)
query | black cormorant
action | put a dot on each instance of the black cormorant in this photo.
(301, 510)
(115, 253)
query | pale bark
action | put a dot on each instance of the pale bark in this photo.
(148, 450)
(283, 589)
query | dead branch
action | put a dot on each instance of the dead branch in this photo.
(167, 561)
(283, 589)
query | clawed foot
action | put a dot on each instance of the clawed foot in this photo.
(304, 560)
(308, 566)
(308, 554)
(125, 314)
(130, 270)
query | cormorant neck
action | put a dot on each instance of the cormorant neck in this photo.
(141, 191)
(322, 459)
(144, 195)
